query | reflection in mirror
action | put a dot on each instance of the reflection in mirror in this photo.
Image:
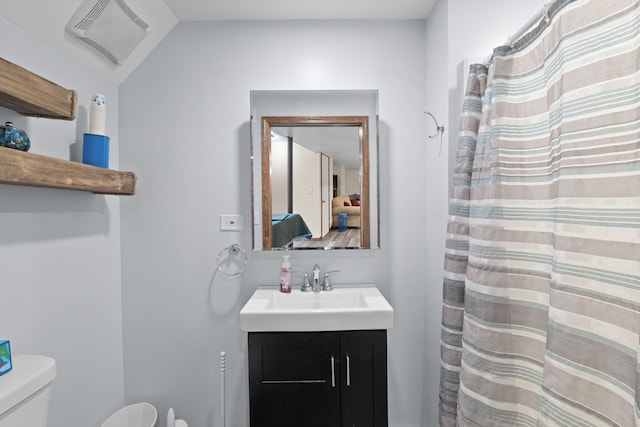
(315, 188)
(315, 180)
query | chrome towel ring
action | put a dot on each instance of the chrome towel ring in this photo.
(233, 254)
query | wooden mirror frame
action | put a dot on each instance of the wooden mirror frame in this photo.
(295, 121)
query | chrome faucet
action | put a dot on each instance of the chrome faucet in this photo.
(316, 286)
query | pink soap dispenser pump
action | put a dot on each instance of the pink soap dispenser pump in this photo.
(285, 275)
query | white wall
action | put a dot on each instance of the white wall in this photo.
(435, 163)
(306, 188)
(352, 182)
(60, 252)
(184, 122)
(280, 176)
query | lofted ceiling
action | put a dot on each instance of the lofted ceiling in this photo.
(48, 23)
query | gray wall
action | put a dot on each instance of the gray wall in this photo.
(435, 165)
(184, 130)
(60, 252)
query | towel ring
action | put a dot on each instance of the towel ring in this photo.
(232, 250)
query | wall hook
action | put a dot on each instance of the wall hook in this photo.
(439, 131)
(439, 128)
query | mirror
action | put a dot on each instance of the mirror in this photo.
(314, 174)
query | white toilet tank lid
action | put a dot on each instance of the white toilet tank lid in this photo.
(30, 373)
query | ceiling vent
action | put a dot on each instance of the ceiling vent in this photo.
(108, 26)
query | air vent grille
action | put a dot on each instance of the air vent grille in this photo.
(95, 11)
(108, 26)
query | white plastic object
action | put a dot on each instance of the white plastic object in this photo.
(109, 27)
(223, 368)
(141, 414)
(171, 420)
(25, 391)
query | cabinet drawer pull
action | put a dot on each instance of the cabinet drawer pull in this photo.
(348, 371)
(333, 372)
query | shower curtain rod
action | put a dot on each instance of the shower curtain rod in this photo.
(535, 19)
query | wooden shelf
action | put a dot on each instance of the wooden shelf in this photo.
(31, 95)
(20, 168)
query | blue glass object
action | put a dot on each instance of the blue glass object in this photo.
(5, 357)
(14, 138)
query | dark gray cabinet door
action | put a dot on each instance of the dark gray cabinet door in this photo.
(292, 379)
(318, 379)
(364, 378)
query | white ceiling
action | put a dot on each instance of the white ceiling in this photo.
(46, 20)
(212, 10)
(341, 143)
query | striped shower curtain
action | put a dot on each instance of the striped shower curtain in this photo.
(541, 296)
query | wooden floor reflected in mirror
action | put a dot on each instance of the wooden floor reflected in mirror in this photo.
(335, 239)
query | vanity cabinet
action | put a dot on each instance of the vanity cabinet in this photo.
(318, 379)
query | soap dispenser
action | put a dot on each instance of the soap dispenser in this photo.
(285, 275)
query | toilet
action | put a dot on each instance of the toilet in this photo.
(25, 391)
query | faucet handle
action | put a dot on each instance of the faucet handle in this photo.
(326, 286)
(306, 286)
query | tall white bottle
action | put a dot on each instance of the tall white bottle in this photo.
(285, 275)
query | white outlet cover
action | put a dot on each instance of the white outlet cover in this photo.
(231, 222)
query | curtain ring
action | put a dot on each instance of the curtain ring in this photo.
(546, 16)
(439, 129)
(233, 250)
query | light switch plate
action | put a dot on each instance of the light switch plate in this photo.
(230, 222)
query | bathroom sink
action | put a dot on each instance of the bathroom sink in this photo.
(354, 307)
